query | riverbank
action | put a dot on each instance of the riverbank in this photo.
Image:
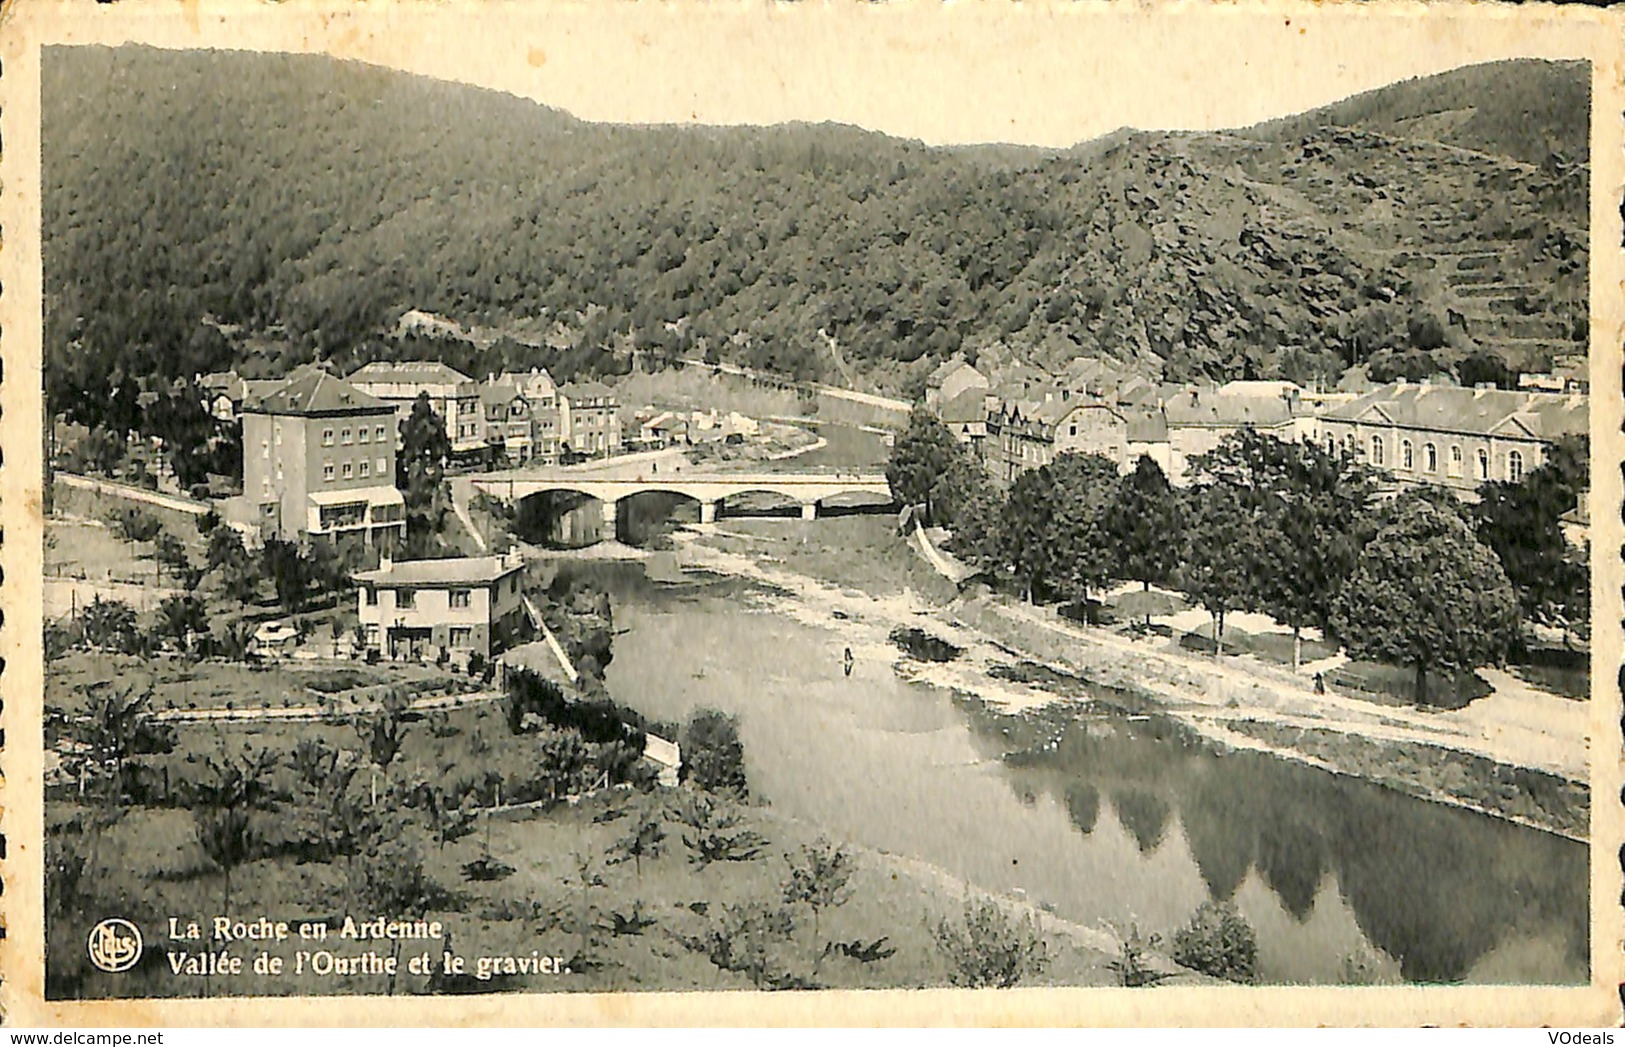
(1502, 760)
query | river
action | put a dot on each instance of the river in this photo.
(1106, 820)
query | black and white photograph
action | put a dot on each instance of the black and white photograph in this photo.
(659, 505)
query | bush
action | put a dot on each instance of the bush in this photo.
(136, 525)
(990, 949)
(713, 758)
(1218, 941)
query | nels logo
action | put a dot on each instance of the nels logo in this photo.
(115, 945)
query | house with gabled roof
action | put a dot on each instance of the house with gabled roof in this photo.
(401, 382)
(1453, 436)
(951, 378)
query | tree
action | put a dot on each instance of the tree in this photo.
(645, 838)
(110, 625)
(221, 817)
(290, 573)
(820, 878)
(183, 617)
(988, 948)
(1084, 556)
(1522, 521)
(425, 447)
(1220, 552)
(1428, 594)
(383, 730)
(920, 458)
(1026, 532)
(1143, 525)
(1307, 504)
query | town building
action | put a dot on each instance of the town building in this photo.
(400, 383)
(1198, 419)
(413, 610)
(590, 422)
(319, 460)
(951, 378)
(1454, 436)
(224, 392)
(965, 415)
(506, 415)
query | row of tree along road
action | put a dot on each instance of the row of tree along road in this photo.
(1421, 579)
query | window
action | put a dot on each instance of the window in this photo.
(277, 432)
(366, 467)
(461, 636)
(372, 597)
(327, 438)
(1514, 466)
(1483, 464)
(361, 434)
(279, 470)
(346, 437)
(379, 434)
(406, 598)
(372, 636)
(1455, 459)
(383, 467)
(459, 597)
(1376, 450)
(349, 470)
(265, 448)
(1407, 458)
(1072, 430)
(1430, 455)
(327, 471)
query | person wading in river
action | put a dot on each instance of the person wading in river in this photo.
(846, 661)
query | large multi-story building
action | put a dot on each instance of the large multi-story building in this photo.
(1453, 436)
(319, 459)
(416, 609)
(400, 383)
(590, 421)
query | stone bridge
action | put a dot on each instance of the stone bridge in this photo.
(709, 489)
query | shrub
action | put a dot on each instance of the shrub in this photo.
(989, 948)
(1218, 941)
(713, 758)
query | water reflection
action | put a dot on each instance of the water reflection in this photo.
(1435, 888)
(1106, 820)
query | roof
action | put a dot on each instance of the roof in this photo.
(1212, 407)
(1480, 411)
(1260, 388)
(457, 570)
(312, 391)
(1147, 427)
(968, 406)
(940, 373)
(408, 371)
(501, 391)
(586, 391)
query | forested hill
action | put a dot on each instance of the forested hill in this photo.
(299, 205)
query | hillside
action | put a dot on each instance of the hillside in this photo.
(1527, 110)
(190, 224)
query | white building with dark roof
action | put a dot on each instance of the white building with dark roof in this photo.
(1454, 436)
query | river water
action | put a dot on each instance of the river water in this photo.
(1106, 820)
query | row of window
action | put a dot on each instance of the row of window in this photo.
(457, 636)
(352, 470)
(1430, 458)
(346, 436)
(408, 598)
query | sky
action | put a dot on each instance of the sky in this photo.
(1031, 73)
